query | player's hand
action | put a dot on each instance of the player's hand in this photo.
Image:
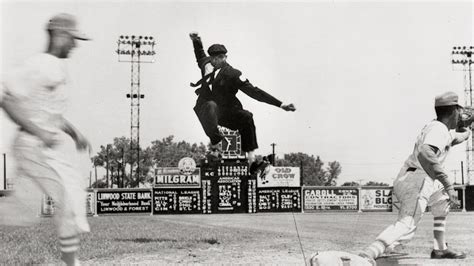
(462, 129)
(194, 36)
(288, 107)
(82, 143)
(453, 198)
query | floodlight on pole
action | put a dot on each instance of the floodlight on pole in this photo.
(135, 50)
(462, 60)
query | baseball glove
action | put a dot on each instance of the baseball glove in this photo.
(467, 117)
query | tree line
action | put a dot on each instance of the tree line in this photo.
(116, 157)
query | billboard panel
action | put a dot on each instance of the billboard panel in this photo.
(124, 201)
(376, 199)
(173, 177)
(279, 176)
(330, 198)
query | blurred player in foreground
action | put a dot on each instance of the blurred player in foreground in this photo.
(34, 98)
(423, 181)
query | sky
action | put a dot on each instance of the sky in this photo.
(362, 75)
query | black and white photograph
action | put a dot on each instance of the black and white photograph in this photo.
(159, 132)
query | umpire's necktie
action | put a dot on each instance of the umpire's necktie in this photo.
(209, 76)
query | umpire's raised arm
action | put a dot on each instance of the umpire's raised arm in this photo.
(202, 59)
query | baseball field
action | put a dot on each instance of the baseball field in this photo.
(264, 238)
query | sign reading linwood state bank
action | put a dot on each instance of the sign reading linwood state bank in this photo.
(279, 176)
(123, 201)
(330, 198)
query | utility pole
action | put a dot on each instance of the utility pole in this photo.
(301, 173)
(462, 55)
(107, 166)
(135, 50)
(123, 166)
(112, 178)
(454, 171)
(273, 153)
(5, 171)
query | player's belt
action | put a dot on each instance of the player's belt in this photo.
(411, 169)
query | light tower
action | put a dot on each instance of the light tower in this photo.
(135, 50)
(462, 56)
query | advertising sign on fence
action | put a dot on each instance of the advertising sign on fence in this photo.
(173, 177)
(330, 198)
(177, 201)
(279, 176)
(376, 199)
(124, 201)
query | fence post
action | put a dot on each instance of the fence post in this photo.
(359, 189)
(463, 198)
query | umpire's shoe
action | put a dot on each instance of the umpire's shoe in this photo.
(447, 254)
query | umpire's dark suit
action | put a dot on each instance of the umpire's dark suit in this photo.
(220, 106)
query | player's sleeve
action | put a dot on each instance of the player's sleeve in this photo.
(2, 91)
(201, 58)
(15, 82)
(254, 92)
(430, 163)
(437, 137)
(17, 88)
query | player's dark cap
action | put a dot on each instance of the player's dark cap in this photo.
(66, 22)
(447, 99)
(216, 49)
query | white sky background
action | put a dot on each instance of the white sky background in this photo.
(363, 75)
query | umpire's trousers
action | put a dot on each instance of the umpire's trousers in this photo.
(210, 115)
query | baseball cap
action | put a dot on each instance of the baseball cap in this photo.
(66, 22)
(447, 99)
(216, 49)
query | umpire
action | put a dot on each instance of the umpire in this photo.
(217, 103)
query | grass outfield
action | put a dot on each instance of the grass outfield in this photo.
(218, 239)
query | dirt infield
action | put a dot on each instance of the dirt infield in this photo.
(263, 238)
(278, 241)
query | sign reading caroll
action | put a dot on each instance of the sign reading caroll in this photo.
(279, 176)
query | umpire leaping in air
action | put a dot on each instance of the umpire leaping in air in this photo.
(217, 103)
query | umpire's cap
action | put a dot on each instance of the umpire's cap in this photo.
(447, 99)
(67, 23)
(216, 49)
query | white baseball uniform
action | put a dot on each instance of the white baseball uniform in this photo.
(40, 84)
(413, 189)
